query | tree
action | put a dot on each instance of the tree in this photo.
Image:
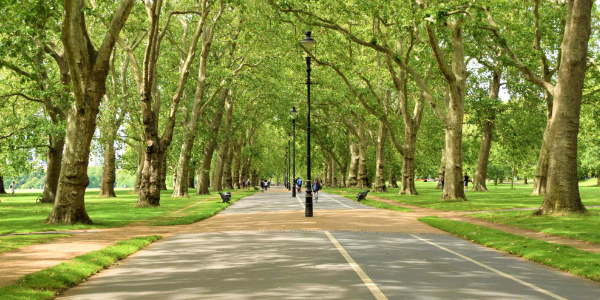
(88, 68)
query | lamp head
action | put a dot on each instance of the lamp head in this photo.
(308, 41)
(293, 113)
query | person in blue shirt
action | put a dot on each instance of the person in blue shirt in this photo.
(299, 183)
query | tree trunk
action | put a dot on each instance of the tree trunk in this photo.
(343, 172)
(392, 178)
(2, 190)
(442, 169)
(181, 188)
(53, 161)
(204, 183)
(223, 154)
(334, 175)
(524, 179)
(562, 193)
(479, 184)
(237, 164)
(109, 173)
(598, 178)
(486, 139)
(380, 159)
(408, 162)
(191, 178)
(163, 173)
(88, 68)
(408, 172)
(362, 159)
(227, 177)
(354, 159)
(541, 170)
(325, 173)
(140, 169)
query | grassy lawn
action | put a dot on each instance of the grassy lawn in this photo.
(373, 203)
(20, 214)
(582, 263)
(12, 242)
(574, 227)
(497, 197)
(46, 284)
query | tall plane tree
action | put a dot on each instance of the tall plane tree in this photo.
(88, 68)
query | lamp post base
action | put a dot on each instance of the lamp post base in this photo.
(294, 191)
(308, 211)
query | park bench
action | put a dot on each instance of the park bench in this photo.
(225, 197)
(39, 199)
(362, 195)
(256, 189)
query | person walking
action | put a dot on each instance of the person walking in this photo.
(12, 188)
(262, 186)
(316, 187)
(442, 180)
(466, 182)
(248, 183)
(299, 183)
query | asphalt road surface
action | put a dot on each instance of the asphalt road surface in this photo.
(326, 265)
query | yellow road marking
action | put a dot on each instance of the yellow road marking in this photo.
(494, 270)
(365, 278)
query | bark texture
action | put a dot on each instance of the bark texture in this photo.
(53, 167)
(2, 190)
(88, 68)
(479, 184)
(363, 181)
(204, 182)
(353, 171)
(562, 194)
(380, 185)
(109, 172)
(442, 169)
(392, 178)
(223, 155)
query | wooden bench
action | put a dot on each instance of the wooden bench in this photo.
(225, 197)
(362, 195)
(256, 189)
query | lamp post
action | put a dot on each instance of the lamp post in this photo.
(293, 114)
(308, 42)
(289, 158)
(285, 170)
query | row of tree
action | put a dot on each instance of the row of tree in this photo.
(485, 84)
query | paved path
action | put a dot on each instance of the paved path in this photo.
(263, 248)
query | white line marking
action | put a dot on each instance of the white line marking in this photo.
(494, 270)
(339, 202)
(365, 278)
(301, 203)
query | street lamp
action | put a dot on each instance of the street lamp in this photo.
(289, 159)
(308, 42)
(293, 114)
(285, 170)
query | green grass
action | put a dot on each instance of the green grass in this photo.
(20, 213)
(46, 284)
(497, 197)
(367, 202)
(13, 242)
(579, 227)
(589, 182)
(582, 263)
(206, 209)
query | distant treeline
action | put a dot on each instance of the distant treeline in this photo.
(36, 179)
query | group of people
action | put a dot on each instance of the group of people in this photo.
(465, 182)
(264, 185)
(316, 186)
